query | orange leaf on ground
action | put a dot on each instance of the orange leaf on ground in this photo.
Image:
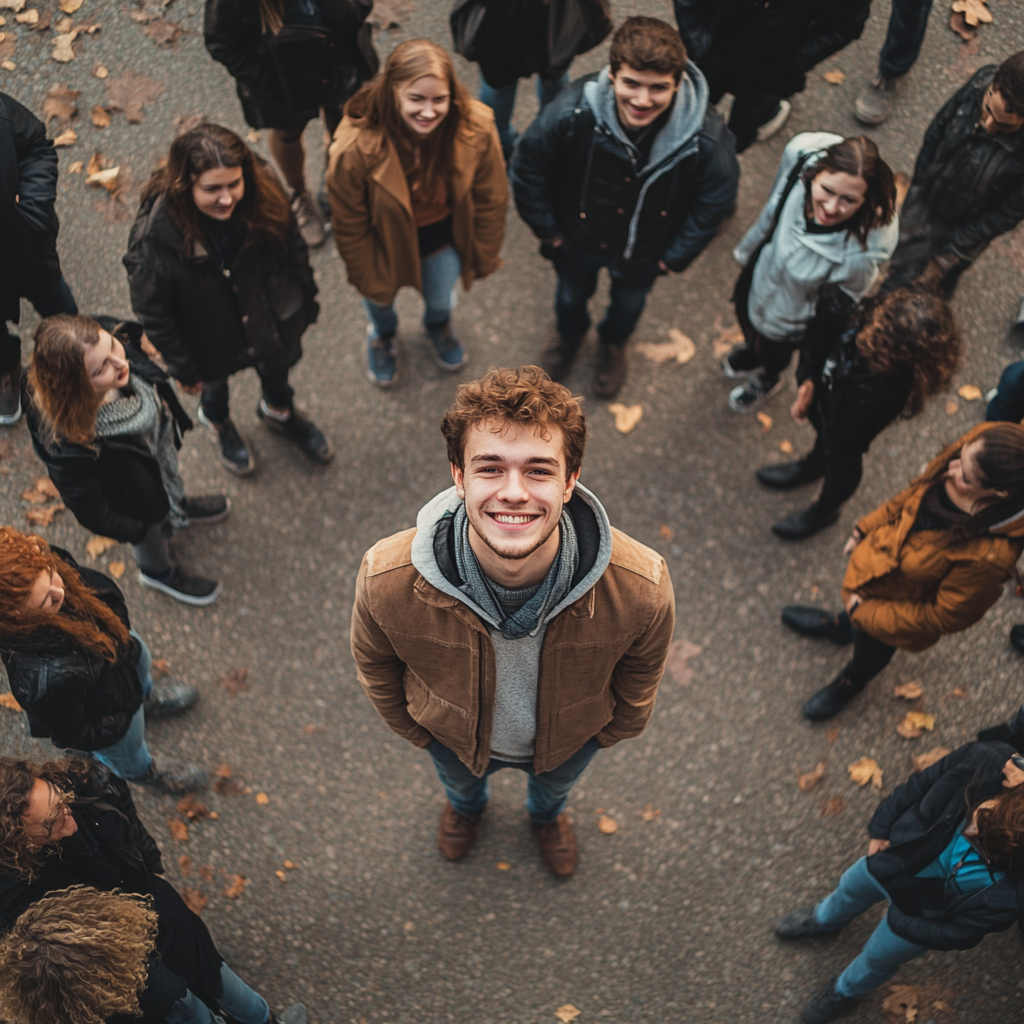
(929, 757)
(914, 724)
(974, 11)
(195, 899)
(41, 491)
(786, 447)
(864, 771)
(832, 734)
(952, 407)
(160, 667)
(185, 865)
(9, 702)
(116, 569)
(503, 866)
(66, 138)
(809, 780)
(290, 865)
(833, 807)
(281, 875)
(765, 420)
(100, 71)
(61, 103)
(568, 1013)
(908, 691)
(666, 532)
(236, 888)
(725, 338)
(222, 771)
(262, 798)
(834, 77)
(178, 830)
(130, 93)
(609, 826)
(96, 545)
(235, 680)
(206, 873)
(649, 813)
(193, 809)
(678, 347)
(970, 392)
(626, 416)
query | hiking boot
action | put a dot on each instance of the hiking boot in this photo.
(875, 103)
(772, 126)
(233, 452)
(206, 509)
(559, 354)
(827, 1005)
(304, 432)
(786, 475)
(740, 362)
(610, 372)
(831, 699)
(805, 523)
(381, 357)
(557, 842)
(170, 699)
(456, 833)
(446, 350)
(800, 924)
(307, 216)
(194, 590)
(10, 397)
(751, 396)
(174, 777)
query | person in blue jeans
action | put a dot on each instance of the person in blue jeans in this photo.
(946, 852)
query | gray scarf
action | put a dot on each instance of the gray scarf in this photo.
(140, 412)
(530, 617)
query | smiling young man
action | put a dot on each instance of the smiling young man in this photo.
(513, 627)
(629, 169)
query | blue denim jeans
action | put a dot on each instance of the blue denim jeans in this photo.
(439, 274)
(546, 793)
(884, 952)
(129, 757)
(46, 302)
(503, 100)
(245, 1005)
(908, 22)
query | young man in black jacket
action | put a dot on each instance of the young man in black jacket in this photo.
(968, 185)
(629, 169)
(29, 264)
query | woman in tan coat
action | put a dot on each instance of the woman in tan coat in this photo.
(929, 562)
(418, 195)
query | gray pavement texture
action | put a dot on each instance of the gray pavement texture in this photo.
(668, 919)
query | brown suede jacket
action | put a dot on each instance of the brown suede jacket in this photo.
(427, 664)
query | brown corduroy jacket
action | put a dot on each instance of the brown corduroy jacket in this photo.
(371, 210)
(427, 663)
(918, 586)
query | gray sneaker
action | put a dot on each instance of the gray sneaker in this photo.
(875, 103)
(169, 699)
(307, 216)
(751, 396)
(174, 778)
(10, 397)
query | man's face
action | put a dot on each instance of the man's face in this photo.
(640, 96)
(514, 485)
(995, 118)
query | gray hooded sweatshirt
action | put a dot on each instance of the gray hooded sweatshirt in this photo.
(517, 662)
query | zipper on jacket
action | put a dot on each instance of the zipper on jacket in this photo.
(481, 694)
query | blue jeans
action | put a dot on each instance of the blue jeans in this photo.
(546, 793)
(908, 23)
(577, 281)
(245, 1005)
(439, 275)
(503, 100)
(47, 302)
(884, 952)
(129, 757)
(1009, 399)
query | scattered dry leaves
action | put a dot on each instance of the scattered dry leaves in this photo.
(12, 5)
(96, 545)
(9, 703)
(914, 724)
(970, 392)
(236, 887)
(160, 667)
(41, 491)
(116, 569)
(626, 416)
(902, 1003)
(834, 77)
(650, 812)
(100, 117)
(608, 825)
(908, 691)
(195, 899)
(62, 50)
(974, 11)
(178, 830)
(679, 654)
(765, 420)
(130, 93)
(833, 807)
(193, 809)
(567, 1013)
(235, 680)
(228, 784)
(958, 23)
(66, 138)
(679, 347)
(70, 6)
(29, 17)
(206, 873)
(929, 757)
(952, 407)
(832, 734)
(61, 103)
(786, 447)
(185, 865)
(262, 798)
(809, 780)
(43, 516)
(864, 771)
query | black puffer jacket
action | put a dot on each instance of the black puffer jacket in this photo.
(114, 486)
(235, 38)
(71, 695)
(968, 185)
(576, 174)
(852, 404)
(28, 220)
(920, 819)
(210, 321)
(770, 43)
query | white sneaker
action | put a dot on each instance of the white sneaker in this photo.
(307, 216)
(769, 128)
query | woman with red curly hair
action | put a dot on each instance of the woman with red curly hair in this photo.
(76, 666)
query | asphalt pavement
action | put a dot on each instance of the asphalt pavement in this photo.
(670, 918)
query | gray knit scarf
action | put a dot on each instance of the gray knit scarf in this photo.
(140, 412)
(530, 617)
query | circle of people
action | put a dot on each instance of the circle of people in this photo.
(513, 627)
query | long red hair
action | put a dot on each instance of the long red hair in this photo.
(83, 617)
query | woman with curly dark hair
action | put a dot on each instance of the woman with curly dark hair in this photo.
(860, 368)
(69, 823)
(220, 278)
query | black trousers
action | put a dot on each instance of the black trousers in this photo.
(870, 656)
(842, 468)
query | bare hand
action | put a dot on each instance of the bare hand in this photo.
(662, 267)
(557, 242)
(876, 845)
(804, 397)
(191, 389)
(855, 538)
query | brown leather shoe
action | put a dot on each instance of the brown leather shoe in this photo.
(456, 833)
(557, 843)
(610, 372)
(559, 354)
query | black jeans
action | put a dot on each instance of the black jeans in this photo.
(47, 302)
(842, 470)
(870, 656)
(908, 23)
(276, 391)
(751, 108)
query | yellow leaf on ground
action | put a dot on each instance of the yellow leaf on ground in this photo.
(62, 51)
(503, 865)
(607, 825)
(262, 798)
(75, 167)
(952, 407)
(678, 347)
(786, 447)
(7, 65)
(252, 135)
(649, 813)
(101, 71)
(236, 888)
(908, 691)
(834, 77)
(66, 138)
(41, 491)
(902, 188)
(974, 11)
(178, 830)
(864, 771)
(43, 516)
(626, 416)
(914, 724)
(281, 875)
(116, 569)
(723, 342)
(567, 1013)
(929, 757)
(8, 702)
(100, 117)
(809, 780)
(29, 17)
(970, 392)
(765, 420)
(12, 5)
(160, 667)
(96, 545)
(70, 6)
(107, 178)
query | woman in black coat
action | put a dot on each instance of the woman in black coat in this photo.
(107, 425)
(947, 853)
(220, 278)
(76, 667)
(861, 367)
(293, 60)
(65, 823)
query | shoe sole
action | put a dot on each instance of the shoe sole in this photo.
(9, 419)
(448, 367)
(741, 409)
(210, 520)
(377, 382)
(226, 463)
(198, 602)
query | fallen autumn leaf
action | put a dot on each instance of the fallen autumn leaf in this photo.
(626, 416)
(970, 392)
(567, 1013)
(235, 680)
(809, 780)
(834, 77)
(864, 771)
(195, 899)
(96, 545)
(178, 830)
(9, 703)
(908, 691)
(833, 807)
(914, 724)
(679, 347)
(608, 825)
(974, 11)
(116, 569)
(929, 757)
(765, 420)
(236, 888)
(43, 516)
(100, 117)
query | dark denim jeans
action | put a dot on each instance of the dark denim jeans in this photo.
(47, 302)
(276, 392)
(546, 793)
(908, 23)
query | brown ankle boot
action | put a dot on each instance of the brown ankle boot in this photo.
(559, 354)
(610, 372)
(456, 833)
(557, 843)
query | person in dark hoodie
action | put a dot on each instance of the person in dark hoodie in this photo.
(630, 170)
(513, 627)
(947, 853)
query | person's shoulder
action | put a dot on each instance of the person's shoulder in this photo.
(389, 554)
(630, 555)
(809, 142)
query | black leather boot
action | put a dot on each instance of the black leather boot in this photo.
(831, 699)
(818, 623)
(804, 524)
(788, 475)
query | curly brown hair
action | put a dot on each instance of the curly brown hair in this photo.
(83, 617)
(18, 854)
(1000, 838)
(77, 956)
(913, 331)
(526, 396)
